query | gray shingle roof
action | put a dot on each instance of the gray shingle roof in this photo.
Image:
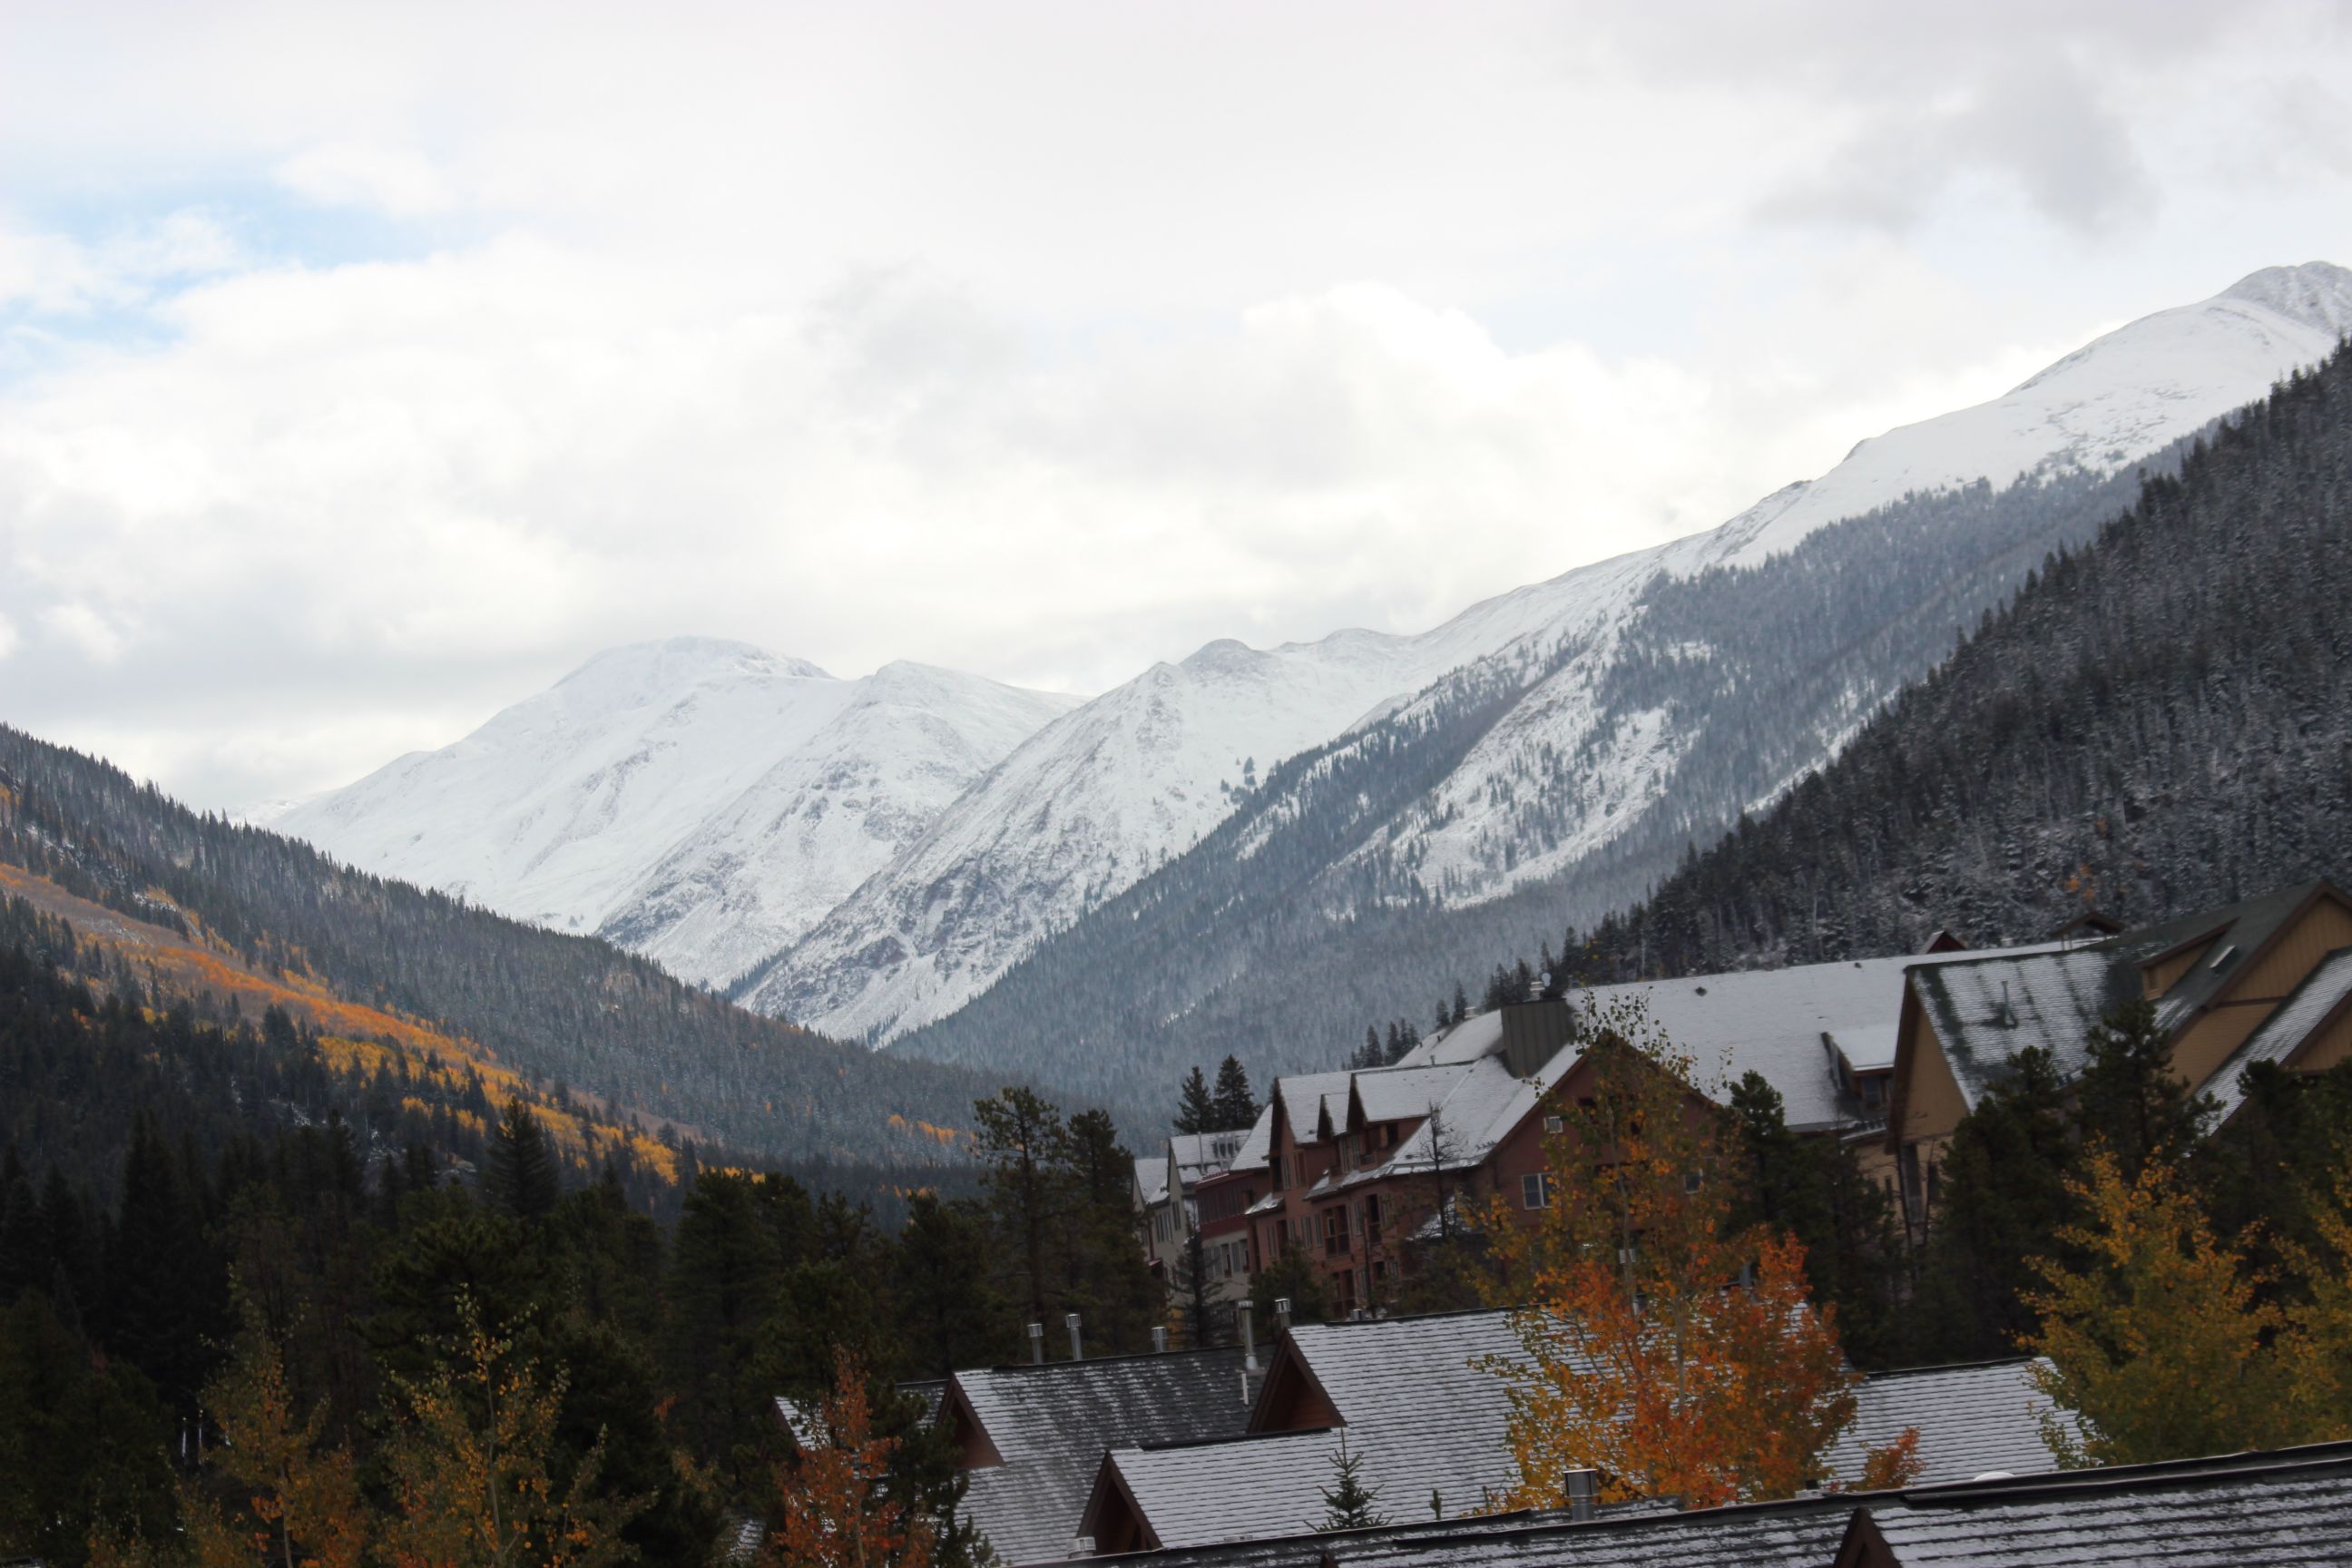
(1804, 1533)
(1423, 1417)
(2291, 1507)
(1971, 1419)
(2311, 1005)
(1052, 1424)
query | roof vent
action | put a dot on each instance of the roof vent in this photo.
(2007, 1016)
(1583, 1490)
(2223, 959)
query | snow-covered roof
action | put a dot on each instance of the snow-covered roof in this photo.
(1395, 1093)
(2322, 997)
(1302, 1096)
(1256, 1143)
(1478, 1036)
(1788, 1025)
(1985, 1010)
(1151, 1180)
(1477, 1113)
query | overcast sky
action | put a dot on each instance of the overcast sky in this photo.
(364, 369)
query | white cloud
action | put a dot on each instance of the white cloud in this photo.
(1045, 340)
(358, 175)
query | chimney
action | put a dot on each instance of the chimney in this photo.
(1159, 1340)
(1249, 1340)
(1036, 1344)
(1282, 1314)
(1076, 1352)
(1583, 1494)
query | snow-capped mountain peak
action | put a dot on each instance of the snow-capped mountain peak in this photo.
(582, 806)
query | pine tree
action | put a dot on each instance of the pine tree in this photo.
(1347, 1503)
(1196, 1109)
(521, 1178)
(1236, 1106)
(2128, 1096)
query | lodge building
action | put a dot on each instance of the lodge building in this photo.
(1356, 1168)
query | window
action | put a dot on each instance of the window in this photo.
(1373, 1217)
(1554, 1125)
(1279, 1162)
(1335, 1232)
(1535, 1190)
(1692, 1181)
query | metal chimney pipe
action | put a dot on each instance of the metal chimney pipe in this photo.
(1583, 1494)
(1076, 1352)
(1282, 1313)
(1159, 1340)
(1036, 1344)
(1249, 1339)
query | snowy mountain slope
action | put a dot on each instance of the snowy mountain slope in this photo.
(757, 874)
(1090, 804)
(607, 800)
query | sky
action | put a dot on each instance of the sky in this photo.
(364, 368)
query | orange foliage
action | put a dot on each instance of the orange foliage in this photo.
(1677, 1355)
(354, 1036)
(837, 1511)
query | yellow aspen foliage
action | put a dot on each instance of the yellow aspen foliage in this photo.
(301, 1504)
(2159, 1344)
(2317, 1347)
(1675, 1354)
(837, 1511)
(472, 1468)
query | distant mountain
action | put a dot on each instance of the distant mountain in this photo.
(261, 917)
(2159, 722)
(1587, 731)
(2162, 719)
(700, 802)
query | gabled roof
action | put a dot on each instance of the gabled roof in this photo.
(2292, 1506)
(1482, 1107)
(1051, 1426)
(1256, 1143)
(1985, 1010)
(1151, 1180)
(1422, 1415)
(2324, 994)
(1198, 1155)
(1301, 1098)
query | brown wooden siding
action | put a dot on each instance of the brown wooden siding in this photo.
(2160, 976)
(2209, 1041)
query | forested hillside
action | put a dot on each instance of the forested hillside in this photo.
(558, 1009)
(2160, 720)
(1317, 908)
